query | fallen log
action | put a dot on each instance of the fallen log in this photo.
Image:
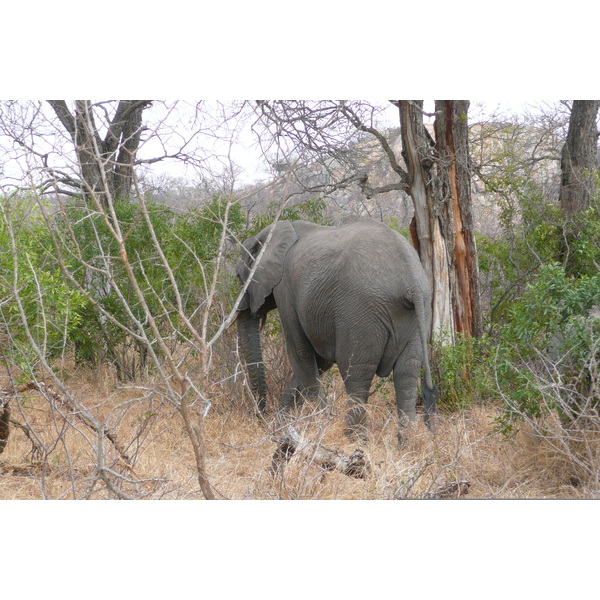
(291, 443)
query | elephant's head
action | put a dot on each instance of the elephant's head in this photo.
(268, 248)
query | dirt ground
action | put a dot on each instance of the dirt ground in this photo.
(52, 453)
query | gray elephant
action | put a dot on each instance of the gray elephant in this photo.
(355, 295)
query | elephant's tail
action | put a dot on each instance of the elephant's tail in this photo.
(430, 391)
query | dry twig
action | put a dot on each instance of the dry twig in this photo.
(454, 489)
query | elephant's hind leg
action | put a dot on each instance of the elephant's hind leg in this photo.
(291, 398)
(357, 380)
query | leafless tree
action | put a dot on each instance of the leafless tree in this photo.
(106, 164)
(52, 145)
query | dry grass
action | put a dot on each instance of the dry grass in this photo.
(462, 448)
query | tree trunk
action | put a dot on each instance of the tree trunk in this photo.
(578, 165)
(105, 165)
(578, 160)
(442, 227)
(427, 237)
(452, 145)
(129, 131)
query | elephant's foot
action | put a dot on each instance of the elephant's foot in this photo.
(356, 421)
(357, 433)
(259, 408)
(405, 422)
(283, 418)
(401, 437)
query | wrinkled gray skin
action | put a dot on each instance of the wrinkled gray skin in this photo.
(355, 295)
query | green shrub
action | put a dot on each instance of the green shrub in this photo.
(548, 328)
(584, 247)
(36, 303)
(530, 239)
(534, 236)
(171, 258)
(464, 373)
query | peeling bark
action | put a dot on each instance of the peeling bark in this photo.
(418, 154)
(416, 150)
(443, 224)
(457, 217)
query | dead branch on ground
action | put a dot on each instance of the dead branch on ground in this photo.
(291, 443)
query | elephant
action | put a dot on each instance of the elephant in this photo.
(355, 295)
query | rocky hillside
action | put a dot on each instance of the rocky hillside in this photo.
(496, 148)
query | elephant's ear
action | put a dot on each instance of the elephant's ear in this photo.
(270, 269)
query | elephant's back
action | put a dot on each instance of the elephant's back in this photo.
(362, 261)
(359, 243)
